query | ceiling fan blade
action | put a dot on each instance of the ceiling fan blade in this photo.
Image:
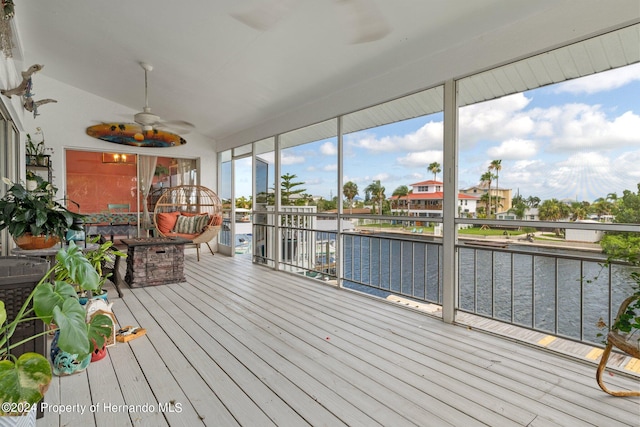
(265, 14)
(365, 21)
(180, 126)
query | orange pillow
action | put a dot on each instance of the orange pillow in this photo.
(217, 220)
(166, 221)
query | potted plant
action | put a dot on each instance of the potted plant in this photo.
(36, 152)
(35, 219)
(32, 181)
(24, 380)
(98, 257)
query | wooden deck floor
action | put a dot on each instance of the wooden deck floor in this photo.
(238, 344)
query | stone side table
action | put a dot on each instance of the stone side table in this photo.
(155, 261)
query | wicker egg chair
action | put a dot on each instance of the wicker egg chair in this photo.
(190, 211)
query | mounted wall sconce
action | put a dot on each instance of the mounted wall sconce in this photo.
(120, 158)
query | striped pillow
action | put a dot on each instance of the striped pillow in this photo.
(191, 224)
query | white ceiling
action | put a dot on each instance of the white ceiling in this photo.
(236, 83)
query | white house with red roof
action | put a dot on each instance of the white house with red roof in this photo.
(425, 200)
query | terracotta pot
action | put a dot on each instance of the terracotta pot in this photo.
(29, 241)
(98, 353)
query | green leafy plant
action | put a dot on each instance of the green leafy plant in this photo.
(98, 257)
(35, 149)
(27, 378)
(36, 212)
(625, 246)
(629, 320)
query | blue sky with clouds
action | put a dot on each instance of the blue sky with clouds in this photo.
(579, 139)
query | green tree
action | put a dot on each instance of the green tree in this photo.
(434, 168)
(553, 210)
(533, 201)
(399, 193)
(518, 207)
(601, 206)
(497, 166)
(481, 211)
(487, 178)
(612, 197)
(375, 192)
(627, 208)
(350, 191)
(304, 200)
(288, 188)
(243, 202)
(579, 210)
(624, 245)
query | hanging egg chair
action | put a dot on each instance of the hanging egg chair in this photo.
(193, 212)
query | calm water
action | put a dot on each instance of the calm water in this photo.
(535, 289)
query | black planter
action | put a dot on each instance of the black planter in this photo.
(18, 277)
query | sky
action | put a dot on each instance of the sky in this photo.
(576, 140)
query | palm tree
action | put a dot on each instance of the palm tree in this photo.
(376, 191)
(243, 203)
(400, 192)
(486, 178)
(482, 211)
(434, 168)
(553, 210)
(533, 201)
(601, 207)
(579, 210)
(497, 166)
(350, 191)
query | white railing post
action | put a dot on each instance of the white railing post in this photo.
(450, 229)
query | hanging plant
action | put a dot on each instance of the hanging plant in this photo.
(8, 9)
(6, 37)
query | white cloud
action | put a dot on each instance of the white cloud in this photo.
(627, 167)
(581, 176)
(599, 82)
(420, 159)
(428, 136)
(328, 149)
(513, 149)
(330, 168)
(568, 127)
(500, 118)
(288, 159)
(586, 127)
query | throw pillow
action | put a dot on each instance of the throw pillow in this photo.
(190, 224)
(166, 221)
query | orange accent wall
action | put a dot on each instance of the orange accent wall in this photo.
(94, 185)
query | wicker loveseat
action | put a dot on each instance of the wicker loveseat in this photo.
(190, 211)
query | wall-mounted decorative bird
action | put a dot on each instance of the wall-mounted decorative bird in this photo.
(21, 89)
(24, 90)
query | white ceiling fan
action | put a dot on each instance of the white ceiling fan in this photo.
(149, 121)
(363, 18)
